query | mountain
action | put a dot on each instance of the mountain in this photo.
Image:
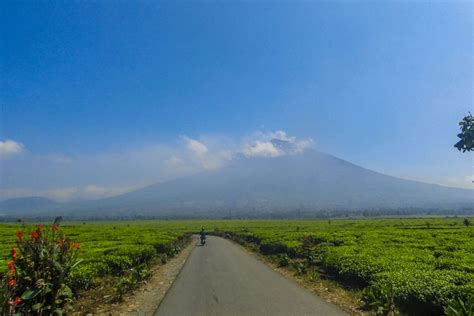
(27, 205)
(306, 182)
(288, 185)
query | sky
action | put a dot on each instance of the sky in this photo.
(103, 97)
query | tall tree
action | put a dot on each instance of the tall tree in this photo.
(467, 134)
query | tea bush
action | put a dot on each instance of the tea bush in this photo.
(402, 265)
(413, 266)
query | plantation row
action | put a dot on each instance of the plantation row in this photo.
(416, 266)
(119, 251)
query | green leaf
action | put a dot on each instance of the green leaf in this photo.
(65, 291)
(30, 294)
(77, 262)
(37, 306)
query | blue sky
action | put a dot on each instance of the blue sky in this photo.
(98, 98)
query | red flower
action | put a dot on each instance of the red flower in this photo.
(35, 235)
(75, 245)
(55, 227)
(13, 253)
(18, 300)
(11, 267)
(19, 234)
(11, 282)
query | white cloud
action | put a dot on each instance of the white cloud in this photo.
(175, 162)
(178, 166)
(215, 160)
(196, 146)
(104, 174)
(261, 149)
(204, 157)
(10, 148)
(274, 144)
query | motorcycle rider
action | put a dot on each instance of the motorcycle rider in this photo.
(202, 233)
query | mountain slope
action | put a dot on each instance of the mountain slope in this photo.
(27, 205)
(257, 186)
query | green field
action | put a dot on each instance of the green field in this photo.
(111, 249)
(414, 265)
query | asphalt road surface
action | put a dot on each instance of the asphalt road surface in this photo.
(221, 279)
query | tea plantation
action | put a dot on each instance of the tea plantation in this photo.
(408, 266)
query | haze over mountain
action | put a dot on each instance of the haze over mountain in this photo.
(291, 184)
(27, 205)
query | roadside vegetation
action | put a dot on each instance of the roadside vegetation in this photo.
(413, 266)
(113, 259)
(39, 270)
(400, 266)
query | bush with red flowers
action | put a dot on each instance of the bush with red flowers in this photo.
(39, 270)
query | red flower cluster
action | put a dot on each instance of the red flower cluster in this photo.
(11, 282)
(35, 235)
(11, 267)
(75, 245)
(41, 241)
(37, 232)
(13, 253)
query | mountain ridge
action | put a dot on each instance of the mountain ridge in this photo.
(311, 181)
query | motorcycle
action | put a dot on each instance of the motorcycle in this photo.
(203, 240)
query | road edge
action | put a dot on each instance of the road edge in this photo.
(146, 299)
(320, 291)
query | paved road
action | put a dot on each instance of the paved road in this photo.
(221, 279)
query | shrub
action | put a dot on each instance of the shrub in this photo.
(380, 299)
(458, 307)
(283, 260)
(463, 305)
(275, 248)
(117, 265)
(163, 258)
(313, 274)
(130, 280)
(39, 273)
(300, 268)
(84, 277)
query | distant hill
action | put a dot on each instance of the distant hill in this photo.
(290, 185)
(26, 205)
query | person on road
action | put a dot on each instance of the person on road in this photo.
(202, 233)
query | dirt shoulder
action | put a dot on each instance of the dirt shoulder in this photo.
(145, 299)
